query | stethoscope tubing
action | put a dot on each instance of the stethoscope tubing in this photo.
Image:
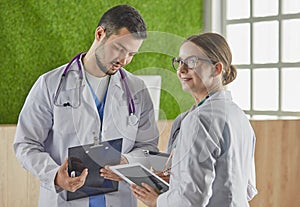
(130, 99)
(78, 64)
(131, 106)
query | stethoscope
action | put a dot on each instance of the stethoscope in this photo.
(132, 119)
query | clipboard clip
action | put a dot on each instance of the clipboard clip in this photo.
(97, 142)
(96, 139)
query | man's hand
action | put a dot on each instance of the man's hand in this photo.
(108, 174)
(63, 180)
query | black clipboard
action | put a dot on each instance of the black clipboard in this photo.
(94, 157)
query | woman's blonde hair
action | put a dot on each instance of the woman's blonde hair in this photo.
(217, 50)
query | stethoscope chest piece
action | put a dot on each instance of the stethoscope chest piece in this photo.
(132, 120)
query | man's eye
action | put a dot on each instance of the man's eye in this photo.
(117, 48)
(132, 54)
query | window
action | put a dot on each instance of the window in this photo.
(264, 36)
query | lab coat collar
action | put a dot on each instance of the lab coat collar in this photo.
(115, 80)
(221, 94)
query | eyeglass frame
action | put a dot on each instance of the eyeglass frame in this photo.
(180, 61)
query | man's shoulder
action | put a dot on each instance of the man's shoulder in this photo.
(51, 76)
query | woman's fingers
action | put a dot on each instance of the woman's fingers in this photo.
(139, 191)
(147, 196)
(150, 189)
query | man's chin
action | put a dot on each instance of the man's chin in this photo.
(112, 72)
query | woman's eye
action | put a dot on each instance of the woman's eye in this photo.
(192, 61)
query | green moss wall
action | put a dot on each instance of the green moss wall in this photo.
(37, 36)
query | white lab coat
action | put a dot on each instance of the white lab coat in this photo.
(45, 131)
(213, 161)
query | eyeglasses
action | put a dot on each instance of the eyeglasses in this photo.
(189, 62)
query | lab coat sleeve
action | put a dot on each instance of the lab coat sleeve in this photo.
(251, 188)
(193, 170)
(34, 125)
(147, 133)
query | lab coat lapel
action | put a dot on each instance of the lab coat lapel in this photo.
(114, 90)
(86, 118)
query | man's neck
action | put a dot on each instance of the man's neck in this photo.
(89, 63)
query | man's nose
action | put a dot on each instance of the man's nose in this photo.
(124, 59)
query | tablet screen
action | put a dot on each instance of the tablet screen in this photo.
(139, 175)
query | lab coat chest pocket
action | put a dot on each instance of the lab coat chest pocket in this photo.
(67, 104)
(69, 97)
(62, 121)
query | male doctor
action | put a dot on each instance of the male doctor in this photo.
(67, 106)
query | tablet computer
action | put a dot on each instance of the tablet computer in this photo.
(138, 174)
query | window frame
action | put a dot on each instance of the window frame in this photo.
(215, 19)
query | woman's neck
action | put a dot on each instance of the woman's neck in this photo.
(200, 98)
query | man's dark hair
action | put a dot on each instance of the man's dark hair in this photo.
(122, 16)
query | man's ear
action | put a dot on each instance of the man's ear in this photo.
(99, 33)
(218, 67)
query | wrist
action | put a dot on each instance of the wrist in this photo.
(123, 160)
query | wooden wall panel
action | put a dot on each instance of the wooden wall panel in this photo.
(164, 127)
(277, 163)
(15, 190)
(3, 168)
(277, 166)
(33, 190)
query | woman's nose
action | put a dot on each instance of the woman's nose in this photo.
(182, 68)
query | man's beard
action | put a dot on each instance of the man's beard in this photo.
(102, 67)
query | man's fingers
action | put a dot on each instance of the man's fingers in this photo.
(76, 185)
(65, 164)
(108, 174)
(77, 182)
(84, 174)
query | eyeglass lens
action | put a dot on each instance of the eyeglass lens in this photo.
(189, 62)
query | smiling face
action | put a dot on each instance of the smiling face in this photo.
(116, 51)
(199, 80)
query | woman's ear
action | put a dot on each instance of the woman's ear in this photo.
(99, 33)
(218, 68)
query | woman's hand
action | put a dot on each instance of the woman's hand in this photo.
(163, 175)
(146, 194)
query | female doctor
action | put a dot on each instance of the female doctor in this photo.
(93, 94)
(213, 150)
